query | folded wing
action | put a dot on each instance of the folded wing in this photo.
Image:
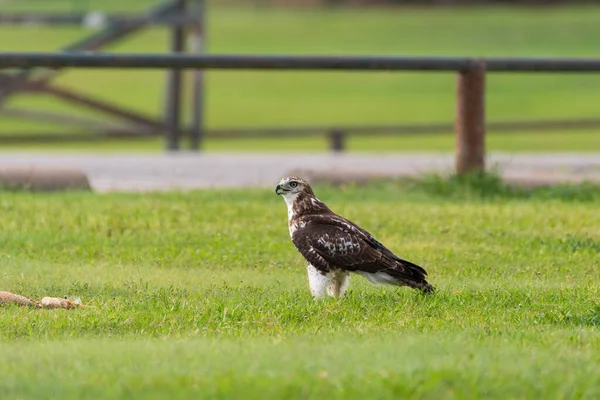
(330, 241)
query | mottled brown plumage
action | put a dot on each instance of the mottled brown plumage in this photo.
(335, 246)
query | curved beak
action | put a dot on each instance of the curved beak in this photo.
(278, 190)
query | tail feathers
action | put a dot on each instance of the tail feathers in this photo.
(424, 286)
(428, 289)
(398, 278)
(411, 275)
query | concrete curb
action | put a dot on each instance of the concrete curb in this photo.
(44, 179)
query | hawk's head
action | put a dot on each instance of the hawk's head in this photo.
(299, 197)
(292, 186)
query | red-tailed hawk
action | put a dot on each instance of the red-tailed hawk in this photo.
(334, 246)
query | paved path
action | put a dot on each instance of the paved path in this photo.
(138, 172)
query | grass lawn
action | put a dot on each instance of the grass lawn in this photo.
(202, 295)
(244, 99)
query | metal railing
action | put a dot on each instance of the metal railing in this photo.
(470, 108)
(296, 62)
(181, 17)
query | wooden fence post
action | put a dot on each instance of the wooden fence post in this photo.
(174, 84)
(470, 120)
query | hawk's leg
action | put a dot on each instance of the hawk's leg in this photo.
(333, 283)
(339, 283)
(318, 282)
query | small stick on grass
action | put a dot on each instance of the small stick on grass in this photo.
(47, 302)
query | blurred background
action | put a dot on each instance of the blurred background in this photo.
(241, 99)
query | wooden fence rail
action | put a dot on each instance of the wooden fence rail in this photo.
(470, 114)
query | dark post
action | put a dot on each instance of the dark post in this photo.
(337, 139)
(197, 36)
(174, 83)
(470, 120)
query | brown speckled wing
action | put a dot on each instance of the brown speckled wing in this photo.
(330, 241)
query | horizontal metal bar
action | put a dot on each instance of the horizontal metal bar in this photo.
(226, 61)
(303, 131)
(93, 19)
(292, 62)
(405, 129)
(92, 135)
(543, 64)
(95, 132)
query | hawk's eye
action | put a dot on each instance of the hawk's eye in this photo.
(293, 184)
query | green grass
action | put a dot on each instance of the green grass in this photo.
(202, 295)
(244, 99)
